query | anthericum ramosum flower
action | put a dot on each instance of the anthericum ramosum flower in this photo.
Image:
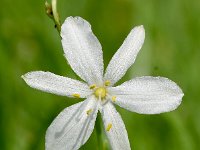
(144, 95)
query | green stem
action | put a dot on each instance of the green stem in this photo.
(51, 11)
(99, 132)
(102, 142)
(56, 15)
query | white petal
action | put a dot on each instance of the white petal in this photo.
(56, 84)
(148, 95)
(126, 55)
(114, 128)
(72, 127)
(82, 49)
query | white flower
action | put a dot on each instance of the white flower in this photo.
(144, 95)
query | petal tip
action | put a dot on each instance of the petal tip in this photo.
(69, 18)
(140, 30)
(24, 76)
(140, 27)
(75, 19)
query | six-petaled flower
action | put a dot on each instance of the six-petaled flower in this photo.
(74, 125)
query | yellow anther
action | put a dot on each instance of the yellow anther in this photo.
(114, 98)
(92, 86)
(107, 83)
(75, 95)
(89, 111)
(100, 92)
(109, 126)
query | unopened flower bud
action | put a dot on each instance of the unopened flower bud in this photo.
(48, 9)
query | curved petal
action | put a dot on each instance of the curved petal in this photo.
(51, 83)
(82, 49)
(126, 55)
(73, 126)
(148, 95)
(114, 127)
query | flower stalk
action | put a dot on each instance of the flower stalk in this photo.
(51, 11)
(102, 143)
(99, 133)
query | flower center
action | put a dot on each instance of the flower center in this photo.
(100, 92)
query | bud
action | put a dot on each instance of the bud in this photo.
(48, 9)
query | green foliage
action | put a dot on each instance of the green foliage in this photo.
(29, 41)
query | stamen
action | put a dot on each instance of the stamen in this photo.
(114, 98)
(89, 111)
(109, 126)
(76, 95)
(107, 83)
(92, 86)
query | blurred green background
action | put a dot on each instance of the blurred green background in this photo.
(28, 41)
